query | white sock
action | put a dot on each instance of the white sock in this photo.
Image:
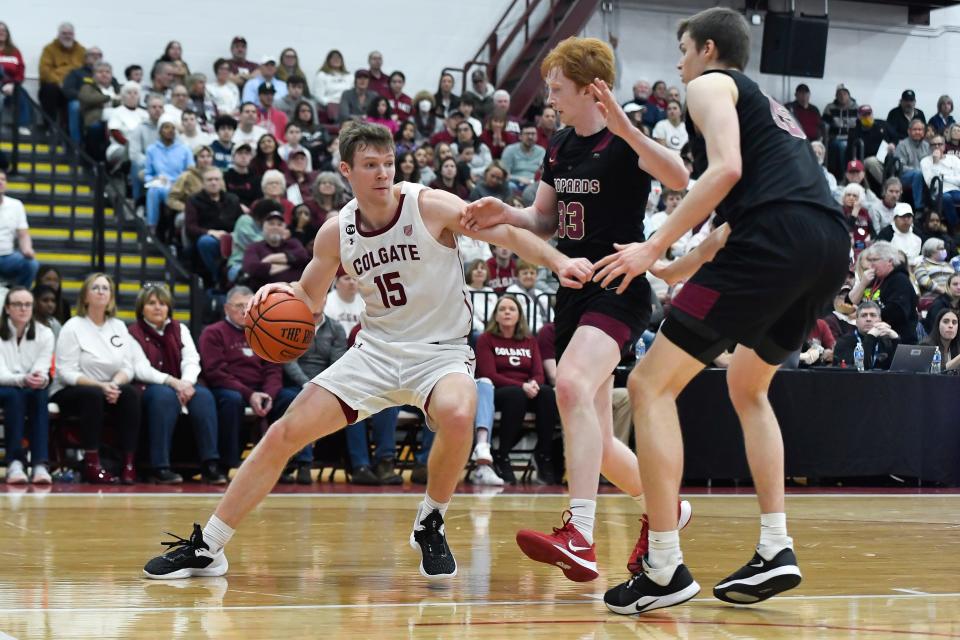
(663, 556)
(217, 534)
(773, 535)
(583, 512)
(428, 505)
(641, 502)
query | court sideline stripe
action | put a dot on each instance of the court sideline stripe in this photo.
(693, 496)
(589, 599)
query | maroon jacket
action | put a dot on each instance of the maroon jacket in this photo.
(259, 271)
(229, 363)
(508, 362)
(402, 106)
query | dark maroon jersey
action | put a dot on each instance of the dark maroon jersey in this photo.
(601, 192)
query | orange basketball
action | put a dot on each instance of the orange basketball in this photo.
(280, 329)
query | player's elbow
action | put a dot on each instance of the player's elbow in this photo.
(729, 172)
(677, 179)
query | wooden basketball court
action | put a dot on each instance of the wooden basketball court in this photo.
(339, 565)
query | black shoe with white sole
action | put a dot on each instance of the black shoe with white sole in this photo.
(760, 579)
(640, 594)
(437, 561)
(187, 558)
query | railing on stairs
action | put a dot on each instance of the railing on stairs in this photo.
(526, 31)
(84, 171)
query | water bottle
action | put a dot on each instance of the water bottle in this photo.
(858, 356)
(641, 349)
(935, 363)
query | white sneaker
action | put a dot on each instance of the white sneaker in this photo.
(24, 131)
(16, 474)
(485, 475)
(481, 453)
(41, 475)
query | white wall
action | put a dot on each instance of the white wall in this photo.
(418, 38)
(870, 48)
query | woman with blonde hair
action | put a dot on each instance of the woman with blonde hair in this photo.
(508, 355)
(167, 362)
(332, 79)
(95, 368)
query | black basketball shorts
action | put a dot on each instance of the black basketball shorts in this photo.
(777, 274)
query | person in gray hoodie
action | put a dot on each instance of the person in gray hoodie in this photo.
(910, 151)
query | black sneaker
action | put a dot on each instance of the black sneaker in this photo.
(287, 476)
(211, 473)
(186, 559)
(387, 472)
(504, 468)
(165, 476)
(303, 474)
(760, 579)
(364, 475)
(640, 594)
(437, 561)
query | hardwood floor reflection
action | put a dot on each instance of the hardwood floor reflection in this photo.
(340, 566)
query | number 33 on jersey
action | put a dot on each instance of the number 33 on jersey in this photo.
(405, 276)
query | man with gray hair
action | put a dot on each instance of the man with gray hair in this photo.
(878, 339)
(71, 90)
(140, 140)
(58, 59)
(501, 109)
(123, 122)
(98, 98)
(238, 377)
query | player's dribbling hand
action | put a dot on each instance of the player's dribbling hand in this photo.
(573, 272)
(484, 213)
(265, 291)
(630, 261)
(617, 121)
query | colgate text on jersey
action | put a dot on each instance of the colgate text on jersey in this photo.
(386, 255)
(576, 185)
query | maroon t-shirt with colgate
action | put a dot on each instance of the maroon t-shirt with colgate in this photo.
(508, 362)
(501, 277)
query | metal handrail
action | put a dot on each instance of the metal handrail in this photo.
(84, 170)
(174, 270)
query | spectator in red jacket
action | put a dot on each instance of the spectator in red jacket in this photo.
(502, 268)
(276, 258)
(509, 356)
(238, 377)
(400, 103)
(11, 74)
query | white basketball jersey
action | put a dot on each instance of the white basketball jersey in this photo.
(412, 285)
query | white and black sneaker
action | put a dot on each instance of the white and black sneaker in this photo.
(437, 561)
(187, 559)
(640, 594)
(760, 579)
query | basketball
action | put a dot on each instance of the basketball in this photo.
(280, 329)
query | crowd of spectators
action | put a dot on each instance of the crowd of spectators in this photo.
(242, 170)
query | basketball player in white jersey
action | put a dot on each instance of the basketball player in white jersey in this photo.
(400, 241)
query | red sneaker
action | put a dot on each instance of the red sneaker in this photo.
(566, 548)
(635, 563)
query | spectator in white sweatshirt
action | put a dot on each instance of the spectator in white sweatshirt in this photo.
(26, 357)
(535, 300)
(947, 168)
(95, 366)
(343, 304)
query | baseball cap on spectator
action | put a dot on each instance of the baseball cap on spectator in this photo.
(273, 214)
(361, 73)
(842, 87)
(632, 107)
(297, 152)
(908, 96)
(865, 110)
(242, 147)
(267, 87)
(854, 165)
(477, 75)
(238, 39)
(903, 211)
(268, 59)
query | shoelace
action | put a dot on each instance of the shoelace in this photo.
(180, 542)
(566, 517)
(432, 538)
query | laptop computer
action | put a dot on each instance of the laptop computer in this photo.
(912, 357)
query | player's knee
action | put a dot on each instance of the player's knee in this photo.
(572, 392)
(745, 395)
(642, 387)
(283, 437)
